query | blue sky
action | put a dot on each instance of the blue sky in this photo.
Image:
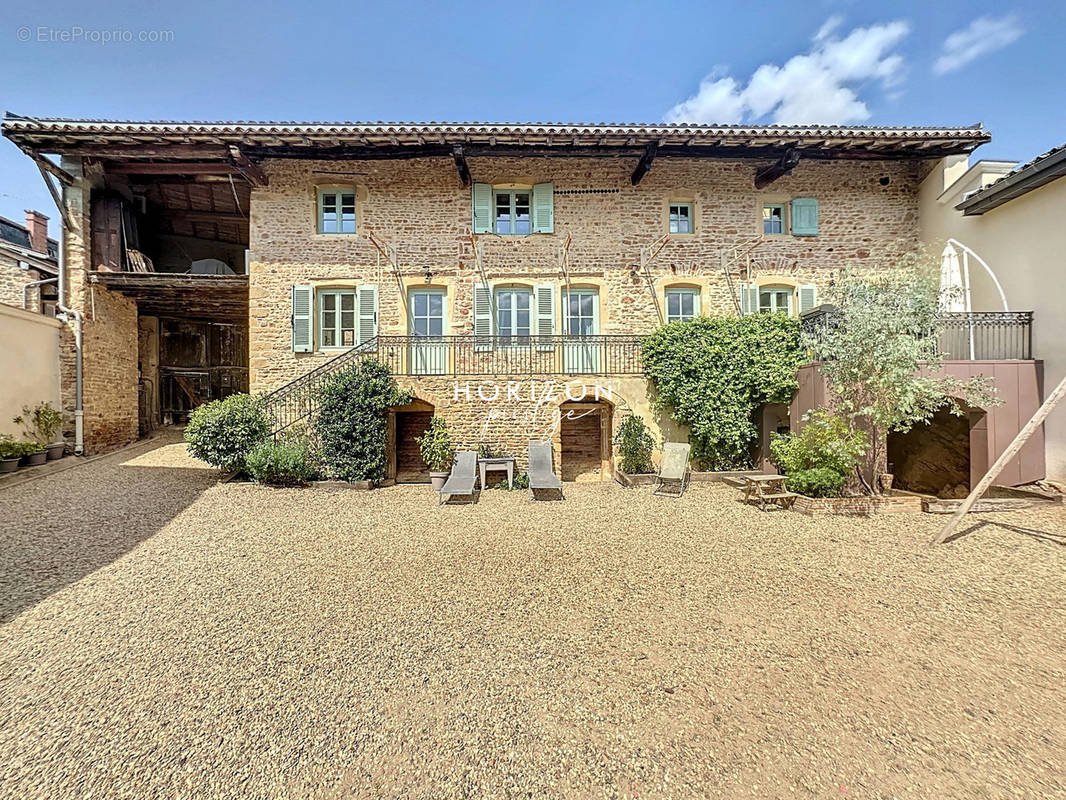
(904, 63)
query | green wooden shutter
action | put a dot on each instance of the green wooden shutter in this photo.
(749, 299)
(808, 297)
(482, 194)
(804, 216)
(482, 316)
(366, 299)
(543, 208)
(302, 311)
(544, 295)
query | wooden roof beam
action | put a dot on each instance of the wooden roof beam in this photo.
(460, 164)
(644, 165)
(783, 166)
(173, 168)
(249, 171)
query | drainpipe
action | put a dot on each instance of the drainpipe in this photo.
(27, 286)
(67, 314)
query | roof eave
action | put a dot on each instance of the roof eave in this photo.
(1013, 186)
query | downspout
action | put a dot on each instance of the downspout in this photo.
(66, 314)
(27, 286)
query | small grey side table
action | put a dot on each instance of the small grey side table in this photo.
(499, 465)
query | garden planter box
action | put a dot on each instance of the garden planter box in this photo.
(358, 485)
(893, 503)
(638, 479)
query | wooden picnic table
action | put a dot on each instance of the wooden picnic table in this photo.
(764, 490)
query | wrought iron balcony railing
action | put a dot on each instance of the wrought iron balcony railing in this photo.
(963, 335)
(464, 356)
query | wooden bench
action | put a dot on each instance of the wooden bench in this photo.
(767, 490)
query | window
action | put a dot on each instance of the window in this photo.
(337, 318)
(581, 316)
(511, 216)
(773, 300)
(513, 306)
(427, 312)
(773, 219)
(682, 304)
(336, 210)
(681, 218)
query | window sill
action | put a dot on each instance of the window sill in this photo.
(351, 235)
(683, 235)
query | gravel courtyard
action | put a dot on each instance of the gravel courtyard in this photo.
(162, 635)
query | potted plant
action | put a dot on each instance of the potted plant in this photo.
(33, 454)
(10, 453)
(635, 445)
(436, 448)
(42, 424)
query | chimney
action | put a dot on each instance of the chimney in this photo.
(37, 225)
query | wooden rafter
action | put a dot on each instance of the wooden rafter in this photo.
(783, 166)
(57, 198)
(249, 171)
(52, 168)
(644, 165)
(460, 164)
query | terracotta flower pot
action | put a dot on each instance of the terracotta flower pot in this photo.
(55, 450)
(437, 479)
(885, 480)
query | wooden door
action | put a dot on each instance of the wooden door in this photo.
(582, 444)
(410, 468)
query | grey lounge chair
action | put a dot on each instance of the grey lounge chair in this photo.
(674, 470)
(540, 473)
(463, 477)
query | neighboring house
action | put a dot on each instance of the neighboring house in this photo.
(1012, 216)
(28, 256)
(505, 272)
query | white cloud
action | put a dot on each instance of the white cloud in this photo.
(819, 86)
(982, 36)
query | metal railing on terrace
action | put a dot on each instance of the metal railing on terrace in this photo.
(464, 356)
(963, 336)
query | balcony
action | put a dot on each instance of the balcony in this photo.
(501, 356)
(965, 335)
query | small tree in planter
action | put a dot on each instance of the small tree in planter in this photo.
(635, 445)
(42, 423)
(435, 445)
(880, 356)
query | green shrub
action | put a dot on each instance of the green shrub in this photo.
(41, 422)
(281, 463)
(436, 446)
(223, 432)
(635, 444)
(352, 424)
(816, 482)
(825, 442)
(9, 448)
(712, 373)
(521, 481)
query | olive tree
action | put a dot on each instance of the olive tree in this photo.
(879, 353)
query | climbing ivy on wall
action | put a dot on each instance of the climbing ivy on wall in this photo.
(712, 373)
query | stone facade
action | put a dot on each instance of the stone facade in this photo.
(12, 280)
(420, 217)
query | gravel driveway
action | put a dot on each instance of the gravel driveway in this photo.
(166, 636)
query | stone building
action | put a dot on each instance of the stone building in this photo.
(504, 272)
(28, 264)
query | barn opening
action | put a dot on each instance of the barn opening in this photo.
(939, 457)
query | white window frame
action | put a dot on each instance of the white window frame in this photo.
(691, 217)
(510, 193)
(783, 205)
(337, 192)
(682, 291)
(514, 339)
(338, 329)
(443, 294)
(775, 291)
